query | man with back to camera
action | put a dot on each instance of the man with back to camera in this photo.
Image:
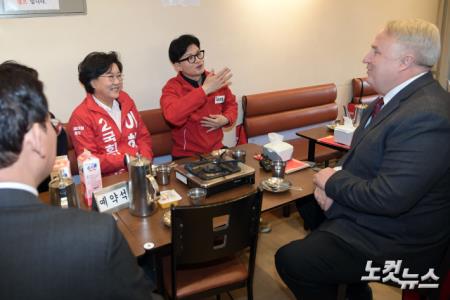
(197, 103)
(391, 199)
(47, 252)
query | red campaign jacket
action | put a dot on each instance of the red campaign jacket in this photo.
(184, 106)
(91, 127)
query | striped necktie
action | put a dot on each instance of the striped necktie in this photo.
(378, 105)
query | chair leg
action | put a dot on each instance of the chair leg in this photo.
(249, 291)
(342, 291)
(218, 297)
(286, 211)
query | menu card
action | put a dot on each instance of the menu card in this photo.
(293, 165)
(330, 140)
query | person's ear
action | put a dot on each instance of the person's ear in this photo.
(407, 60)
(177, 67)
(34, 140)
(93, 83)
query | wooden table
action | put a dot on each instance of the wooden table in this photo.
(313, 135)
(138, 231)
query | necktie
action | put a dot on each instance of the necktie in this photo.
(378, 105)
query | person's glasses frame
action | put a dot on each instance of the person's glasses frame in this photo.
(193, 58)
(111, 77)
(57, 125)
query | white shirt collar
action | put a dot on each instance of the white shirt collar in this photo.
(114, 112)
(18, 186)
(108, 109)
(389, 95)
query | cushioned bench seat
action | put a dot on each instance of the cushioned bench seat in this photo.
(291, 110)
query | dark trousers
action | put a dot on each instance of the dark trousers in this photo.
(313, 268)
(310, 212)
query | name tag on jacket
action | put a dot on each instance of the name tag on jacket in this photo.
(219, 99)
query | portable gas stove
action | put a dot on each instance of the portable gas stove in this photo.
(215, 175)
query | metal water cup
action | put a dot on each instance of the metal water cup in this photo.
(163, 175)
(197, 195)
(63, 192)
(239, 155)
(278, 168)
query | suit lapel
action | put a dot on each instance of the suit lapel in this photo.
(404, 94)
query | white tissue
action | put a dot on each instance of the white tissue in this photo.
(277, 149)
(348, 123)
(275, 137)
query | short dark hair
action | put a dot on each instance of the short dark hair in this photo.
(22, 103)
(179, 46)
(94, 65)
(15, 66)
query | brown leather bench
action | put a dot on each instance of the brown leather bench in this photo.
(363, 92)
(292, 109)
(156, 125)
(160, 131)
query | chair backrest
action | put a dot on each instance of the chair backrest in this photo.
(289, 109)
(160, 131)
(363, 92)
(71, 153)
(210, 232)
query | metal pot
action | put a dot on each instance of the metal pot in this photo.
(142, 186)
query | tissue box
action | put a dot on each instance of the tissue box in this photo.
(278, 151)
(344, 134)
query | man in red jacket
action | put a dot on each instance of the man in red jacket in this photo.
(107, 122)
(197, 103)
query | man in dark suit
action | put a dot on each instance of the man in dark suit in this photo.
(391, 198)
(48, 252)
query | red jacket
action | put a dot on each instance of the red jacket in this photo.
(91, 127)
(184, 106)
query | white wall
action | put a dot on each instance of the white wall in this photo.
(268, 44)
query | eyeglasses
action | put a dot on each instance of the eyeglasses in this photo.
(57, 125)
(111, 77)
(192, 58)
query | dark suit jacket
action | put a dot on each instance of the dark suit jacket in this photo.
(392, 198)
(51, 253)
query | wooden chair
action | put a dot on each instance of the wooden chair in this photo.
(207, 244)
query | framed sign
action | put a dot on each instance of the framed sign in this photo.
(41, 8)
(111, 198)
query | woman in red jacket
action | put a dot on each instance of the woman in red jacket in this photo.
(197, 103)
(107, 122)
